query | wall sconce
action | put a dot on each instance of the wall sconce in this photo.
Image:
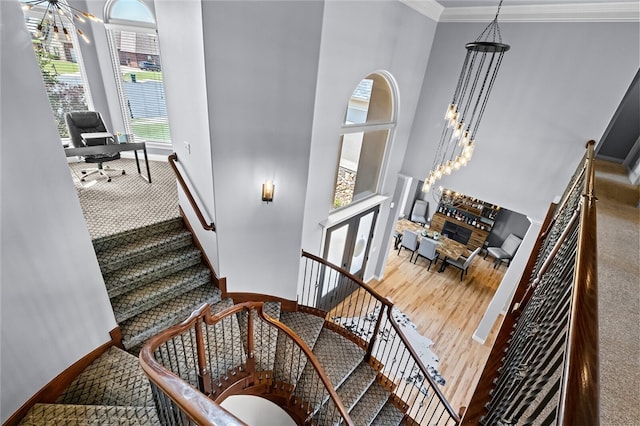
(268, 189)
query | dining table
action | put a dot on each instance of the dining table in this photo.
(446, 247)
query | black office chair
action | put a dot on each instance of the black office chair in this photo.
(81, 125)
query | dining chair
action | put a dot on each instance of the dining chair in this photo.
(409, 241)
(506, 251)
(461, 263)
(427, 249)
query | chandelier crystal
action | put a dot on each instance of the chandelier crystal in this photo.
(463, 115)
(59, 16)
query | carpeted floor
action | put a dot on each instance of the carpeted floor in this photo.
(619, 295)
(128, 201)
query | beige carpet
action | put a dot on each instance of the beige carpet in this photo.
(619, 295)
(128, 201)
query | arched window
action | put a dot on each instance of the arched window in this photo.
(136, 59)
(369, 120)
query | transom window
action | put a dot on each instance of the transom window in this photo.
(370, 117)
(136, 59)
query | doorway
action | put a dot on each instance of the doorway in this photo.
(347, 245)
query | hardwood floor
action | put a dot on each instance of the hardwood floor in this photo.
(446, 311)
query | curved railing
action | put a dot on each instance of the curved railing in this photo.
(543, 368)
(173, 159)
(359, 312)
(198, 363)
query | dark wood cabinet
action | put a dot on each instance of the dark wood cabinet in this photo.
(465, 219)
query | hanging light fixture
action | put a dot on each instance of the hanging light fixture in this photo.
(463, 115)
(59, 17)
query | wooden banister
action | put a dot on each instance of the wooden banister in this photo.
(579, 395)
(173, 159)
(422, 367)
(194, 403)
(389, 307)
(574, 399)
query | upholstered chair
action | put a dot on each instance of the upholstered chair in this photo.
(409, 242)
(506, 251)
(427, 249)
(462, 263)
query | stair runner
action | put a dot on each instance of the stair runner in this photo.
(155, 278)
(113, 390)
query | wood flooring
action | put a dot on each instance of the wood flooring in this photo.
(448, 312)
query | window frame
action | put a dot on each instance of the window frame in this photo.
(369, 127)
(113, 25)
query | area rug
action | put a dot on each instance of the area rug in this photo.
(388, 342)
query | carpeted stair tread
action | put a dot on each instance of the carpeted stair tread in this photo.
(115, 378)
(76, 415)
(390, 415)
(353, 388)
(108, 242)
(368, 407)
(130, 277)
(306, 326)
(131, 252)
(146, 324)
(157, 292)
(338, 356)
(289, 361)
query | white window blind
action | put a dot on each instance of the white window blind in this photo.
(61, 67)
(136, 59)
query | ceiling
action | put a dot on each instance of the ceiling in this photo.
(529, 10)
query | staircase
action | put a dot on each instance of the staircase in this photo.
(155, 278)
(113, 390)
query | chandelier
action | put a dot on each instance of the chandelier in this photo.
(60, 16)
(462, 118)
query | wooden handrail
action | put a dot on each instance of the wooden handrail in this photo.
(310, 356)
(579, 395)
(418, 361)
(389, 304)
(192, 402)
(349, 275)
(173, 159)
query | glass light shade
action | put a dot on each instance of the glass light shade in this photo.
(448, 168)
(456, 163)
(426, 187)
(450, 111)
(438, 172)
(268, 189)
(457, 132)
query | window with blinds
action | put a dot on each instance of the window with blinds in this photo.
(61, 66)
(136, 59)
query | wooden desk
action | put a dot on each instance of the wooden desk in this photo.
(445, 246)
(111, 148)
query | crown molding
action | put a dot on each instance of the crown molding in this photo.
(429, 8)
(621, 11)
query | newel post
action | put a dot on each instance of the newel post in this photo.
(204, 375)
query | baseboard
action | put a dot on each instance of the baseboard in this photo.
(220, 282)
(478, 339)
(52, 390)
(285, 304)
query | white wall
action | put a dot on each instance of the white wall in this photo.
(358, 39)
(261, 62)
(54, 305)
(183, 71)
(558, 87)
